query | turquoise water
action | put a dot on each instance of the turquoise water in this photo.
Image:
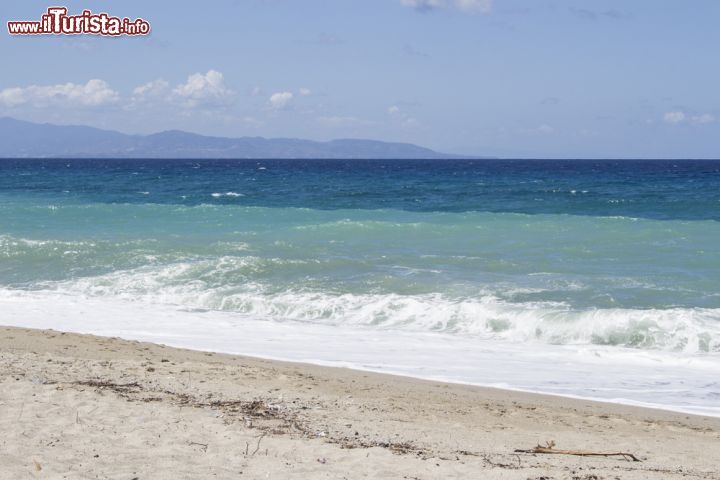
(614, 255)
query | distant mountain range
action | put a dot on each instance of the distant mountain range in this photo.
(25, 139)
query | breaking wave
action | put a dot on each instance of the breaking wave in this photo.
(230, 284)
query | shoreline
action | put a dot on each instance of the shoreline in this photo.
(399, 374)
(652, 379)
(314, 421)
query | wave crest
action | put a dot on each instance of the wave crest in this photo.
(205, 285)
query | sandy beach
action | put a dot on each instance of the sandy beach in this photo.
(78, 406)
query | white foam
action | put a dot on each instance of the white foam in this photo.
(227, 194)
(681, 382)
(205, 284)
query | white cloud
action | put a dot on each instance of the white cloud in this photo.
(704, 118)
(402, 118)
(483, 6)
(545, 128)
(471, 6)
(304, 92)
(154, 88)
(280, 100)
(678, 117)
(94, 93)
(208, 88)
(674, 117)
(11, 97)
(410, 122)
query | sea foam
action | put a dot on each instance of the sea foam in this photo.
(658, 379)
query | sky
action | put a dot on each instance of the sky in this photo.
(508, 78)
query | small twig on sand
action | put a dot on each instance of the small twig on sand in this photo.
(204, 446)
(258, 444)
(118, 387)
(550, 449)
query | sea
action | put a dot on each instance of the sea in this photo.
(580, 278)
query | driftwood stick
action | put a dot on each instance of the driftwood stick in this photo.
(579, 453)
(258, 445)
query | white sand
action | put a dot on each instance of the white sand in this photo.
(74, 406)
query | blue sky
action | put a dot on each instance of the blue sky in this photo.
(526, 78)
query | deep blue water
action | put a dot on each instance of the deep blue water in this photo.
(662, 189)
